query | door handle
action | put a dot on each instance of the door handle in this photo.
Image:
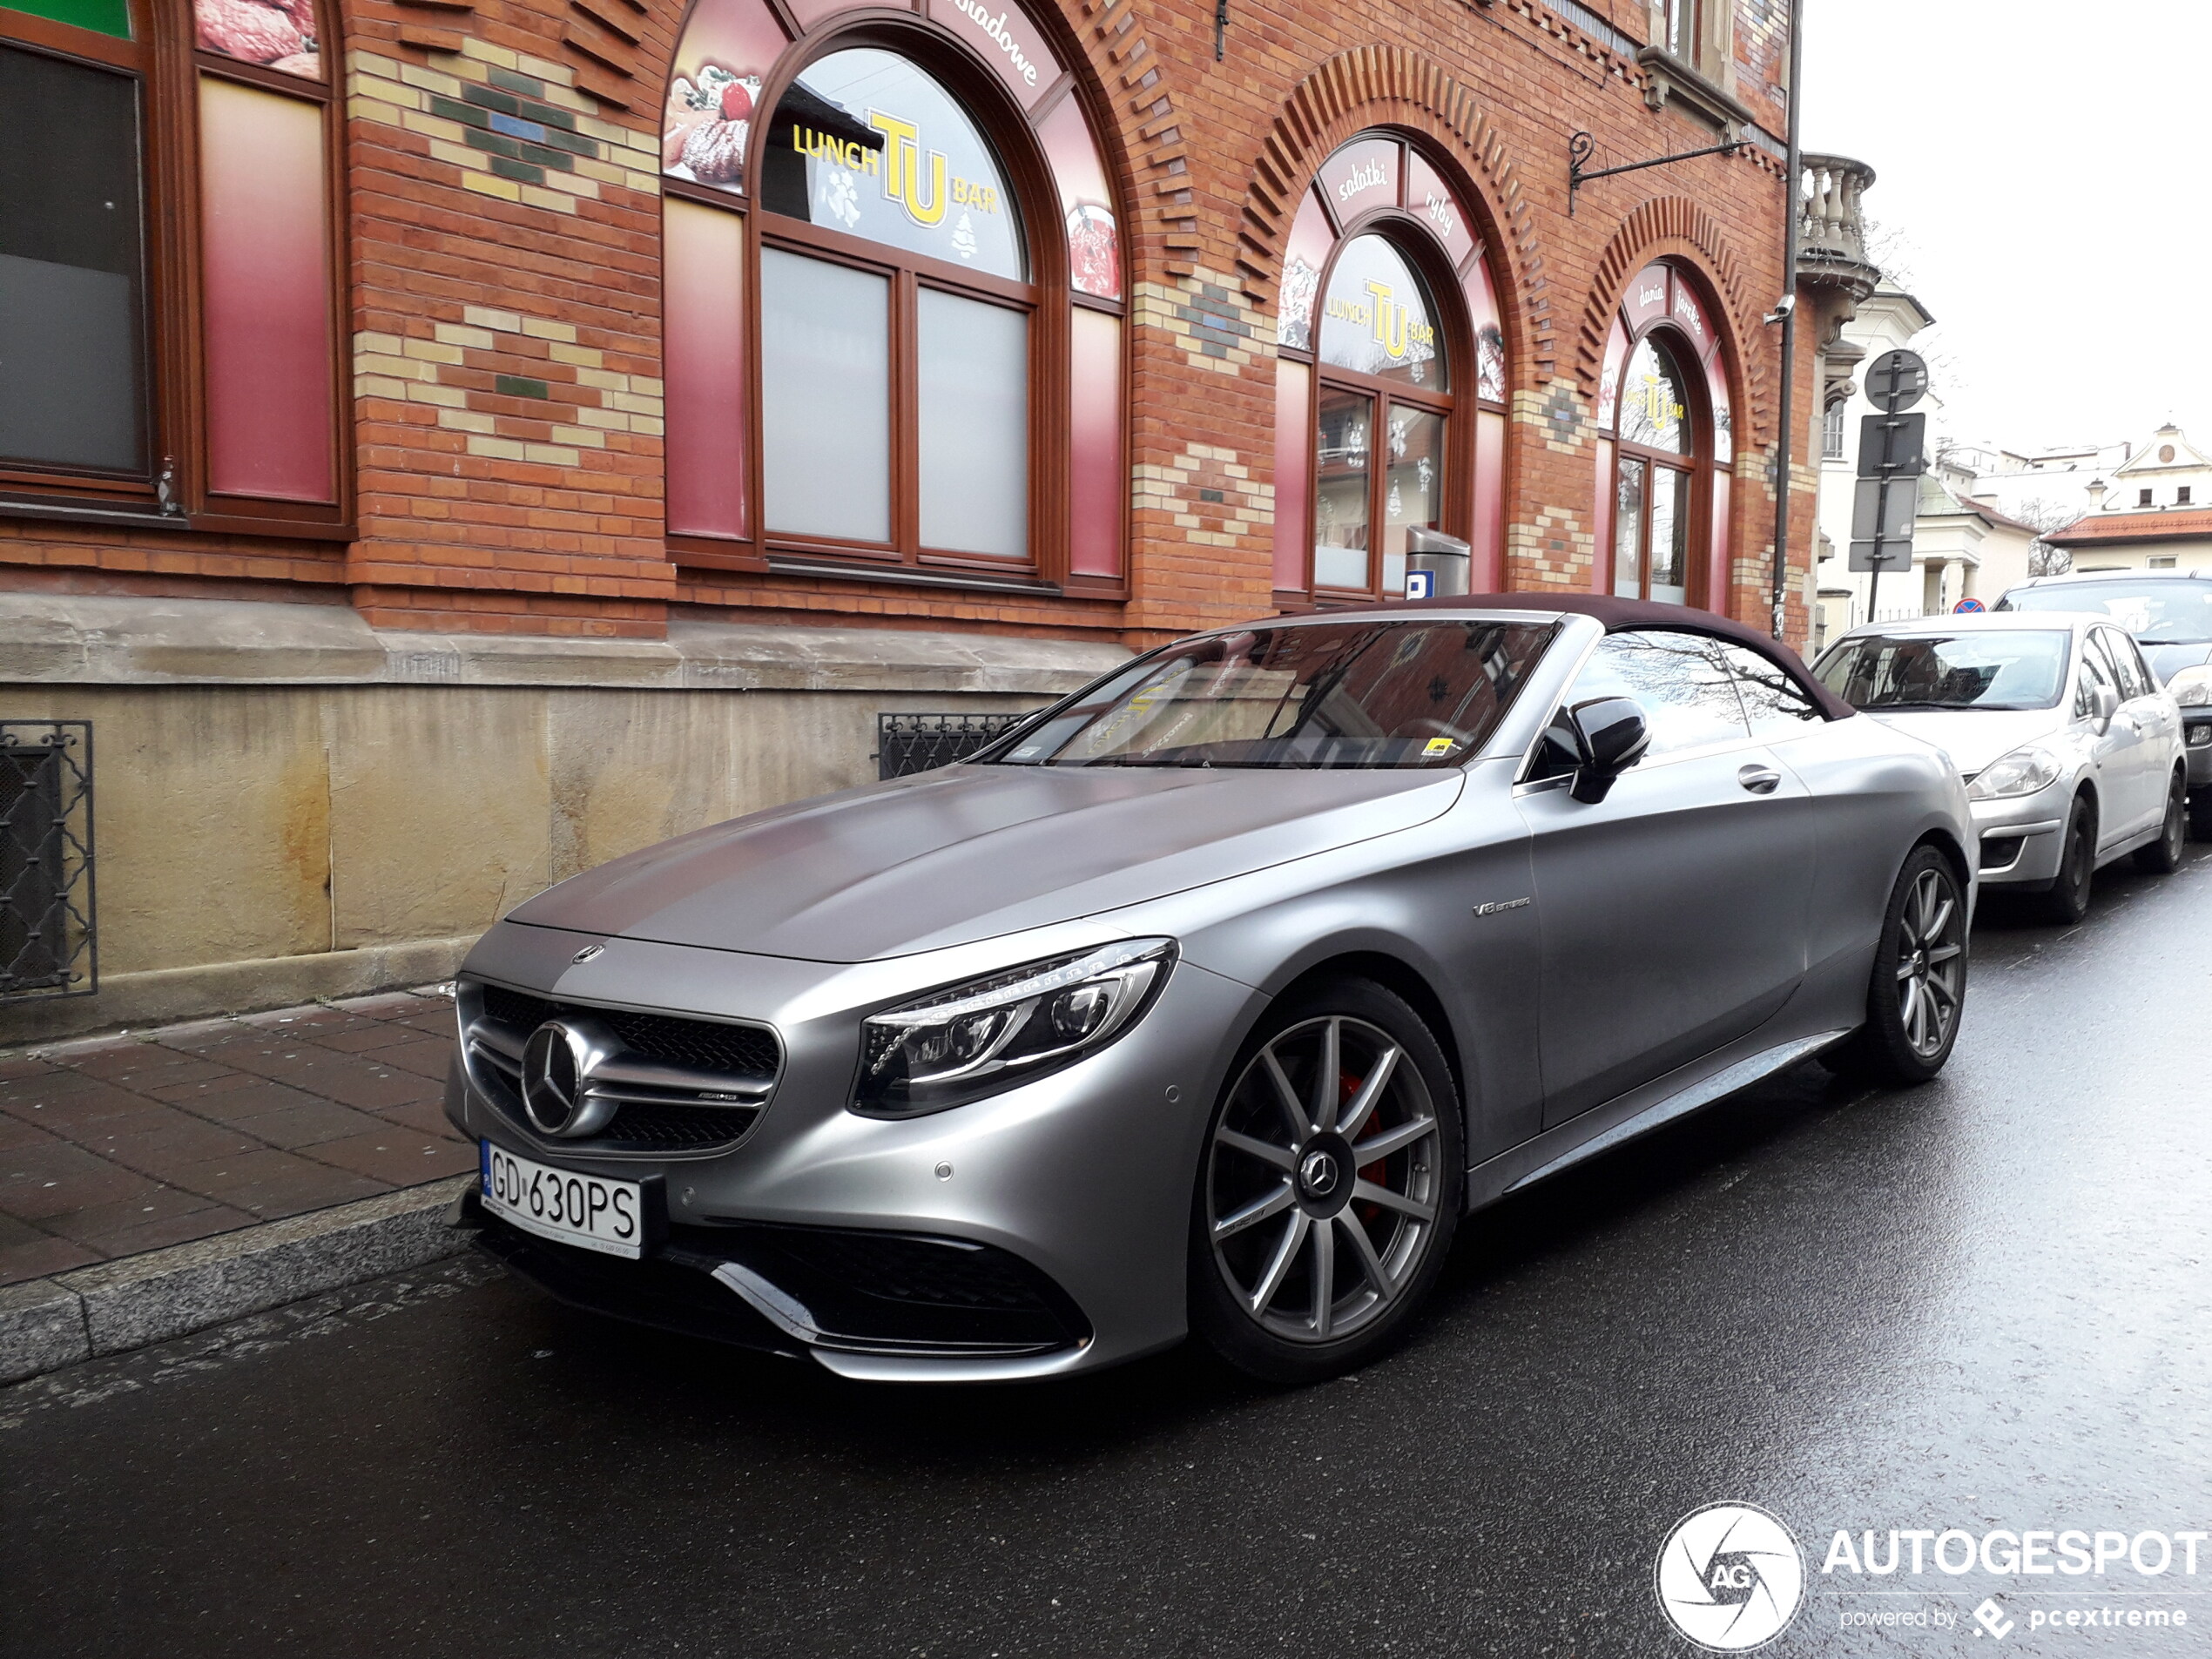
(1760, 781)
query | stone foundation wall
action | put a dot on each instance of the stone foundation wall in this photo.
(291, 805)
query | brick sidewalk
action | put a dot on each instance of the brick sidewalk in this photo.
(115, 1145)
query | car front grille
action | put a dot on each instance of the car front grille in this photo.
(706, 1081)
(742, 1051)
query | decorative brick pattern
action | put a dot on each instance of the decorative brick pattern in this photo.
(519, 387)
(1561, 415)
(514, 126)
(1553, 550)
(1214, 326)
(1209, 495)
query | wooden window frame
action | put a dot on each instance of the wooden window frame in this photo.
(1699, 465)
(165, 59)
(1045, 299)
(1413, 244)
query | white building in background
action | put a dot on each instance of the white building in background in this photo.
(2153, 512)
(1983, 512)
(1963, 547)
(2049, 487)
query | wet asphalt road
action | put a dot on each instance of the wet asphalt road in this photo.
(1986, 1303)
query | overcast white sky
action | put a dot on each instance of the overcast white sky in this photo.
(2044, 165)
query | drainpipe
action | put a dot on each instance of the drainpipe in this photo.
(1789, 309)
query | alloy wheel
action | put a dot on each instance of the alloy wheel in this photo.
(1324, 1180)
(1930, 963)
(2163, 856)
(2081, 852)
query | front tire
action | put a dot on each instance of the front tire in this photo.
(2163, 856)
(1329, 1187)
(1918, 993)
(2201, 813)
(2066, 900)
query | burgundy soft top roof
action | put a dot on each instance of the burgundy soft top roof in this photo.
(1618, 614)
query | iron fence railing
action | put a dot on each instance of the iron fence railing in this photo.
(906, 744)
(48, 946)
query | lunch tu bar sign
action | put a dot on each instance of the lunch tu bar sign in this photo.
(1394, 328)
(898, 163)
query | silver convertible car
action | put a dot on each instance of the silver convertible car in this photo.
(1210, 998)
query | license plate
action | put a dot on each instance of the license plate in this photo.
(590, 1211)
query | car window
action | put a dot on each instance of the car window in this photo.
(2133, 668)
(2115, 662)
(1974, 669)
(1678, 680)
(1775, 704)
(2158, 611)
(1365, 693)
(2096, 670)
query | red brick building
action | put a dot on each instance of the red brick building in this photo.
(421, 419)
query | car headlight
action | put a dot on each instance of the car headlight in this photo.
(2192, 687)
(967, 1040)
(2021, 772)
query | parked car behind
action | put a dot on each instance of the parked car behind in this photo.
(2169, 613)
(2070, 750)
(1210, 997)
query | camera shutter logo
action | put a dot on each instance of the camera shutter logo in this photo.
(1730, 1577)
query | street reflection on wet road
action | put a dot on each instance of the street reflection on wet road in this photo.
(1982, 1304)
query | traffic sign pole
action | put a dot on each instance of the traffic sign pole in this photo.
(1892, 448)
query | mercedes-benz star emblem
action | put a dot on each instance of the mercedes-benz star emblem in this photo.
(557, 1064)
(587, 953)
(1319, 1174)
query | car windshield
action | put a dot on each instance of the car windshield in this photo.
(2173, 611)
(1414, 693)
(1967, 670)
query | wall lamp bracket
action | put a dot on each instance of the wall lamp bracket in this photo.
(1582, 146)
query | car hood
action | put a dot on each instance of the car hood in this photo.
(2166, 661)
(971, 852)
(1973, 738)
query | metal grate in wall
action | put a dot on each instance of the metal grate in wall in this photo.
(47, 945)
(906, 744)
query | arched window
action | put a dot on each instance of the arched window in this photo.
(1383, 418)
(890, 253)
(169, 264)
(1391, 379)
(1664, 450)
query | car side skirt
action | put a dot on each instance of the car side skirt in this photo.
(1640, 1110)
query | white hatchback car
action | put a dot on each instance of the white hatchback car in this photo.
(2070, 750)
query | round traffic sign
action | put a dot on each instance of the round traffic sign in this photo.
(1969, 606)
(1897, 381)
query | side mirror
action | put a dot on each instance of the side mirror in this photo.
(2108, 702)
(1613, 736)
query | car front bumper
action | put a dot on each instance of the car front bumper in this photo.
(2022, 840)
(1078, 1185)
(2196, 737)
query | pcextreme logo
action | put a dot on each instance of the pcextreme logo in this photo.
(1730, 1577)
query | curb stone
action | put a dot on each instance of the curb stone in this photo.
(117, 1305)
